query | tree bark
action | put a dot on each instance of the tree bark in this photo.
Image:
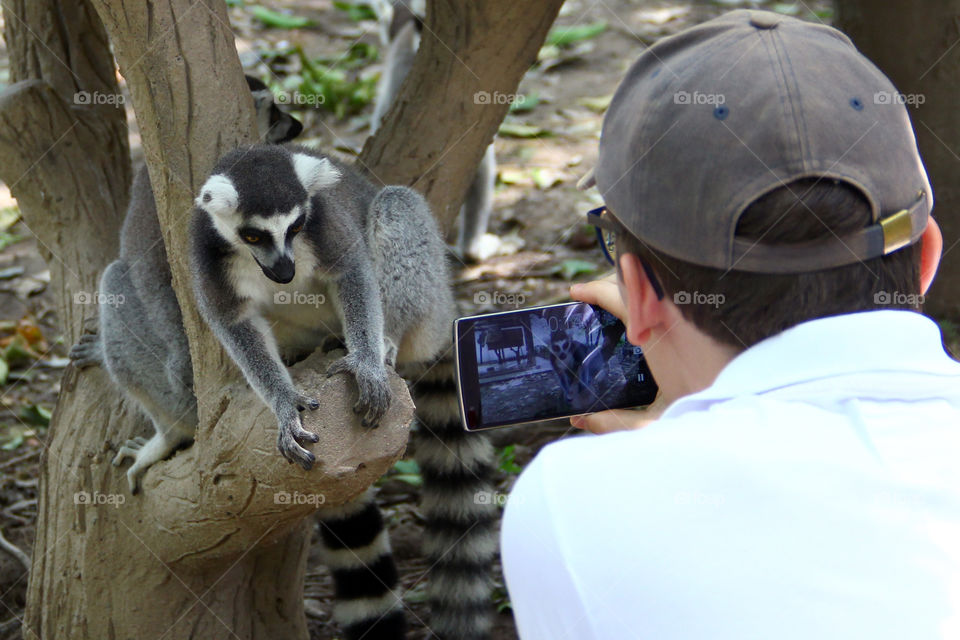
(216, 544)
(210, 549)
(67, 164)
(472, 55)
(919, 49)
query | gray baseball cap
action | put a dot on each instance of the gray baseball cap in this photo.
(707, 121)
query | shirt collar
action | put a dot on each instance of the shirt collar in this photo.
(870, 341)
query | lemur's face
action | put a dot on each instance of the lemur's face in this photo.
(262, 203)
(560, 344)
(270, 240)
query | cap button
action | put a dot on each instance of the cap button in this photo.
(764, 19)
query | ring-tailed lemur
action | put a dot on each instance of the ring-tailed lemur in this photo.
(400, 34)
(140, 340)
(273, 124)
(290, 248)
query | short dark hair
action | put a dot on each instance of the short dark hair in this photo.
(740, 308)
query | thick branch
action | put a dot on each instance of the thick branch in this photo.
(236, 491)
(181, 64)
(466, 48)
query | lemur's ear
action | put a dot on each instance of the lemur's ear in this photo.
(315, 173)
(218, 196)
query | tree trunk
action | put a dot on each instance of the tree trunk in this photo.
(215, 546)
(67, 164)
(471, 56)
(917, 47)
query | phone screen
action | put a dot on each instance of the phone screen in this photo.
(547, 362)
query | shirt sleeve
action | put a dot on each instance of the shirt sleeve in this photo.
(543, 591)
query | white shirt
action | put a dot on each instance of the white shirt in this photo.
(813, 491)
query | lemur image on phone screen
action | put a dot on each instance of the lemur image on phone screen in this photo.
(547, 362)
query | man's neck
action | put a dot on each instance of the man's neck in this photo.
(687, 360)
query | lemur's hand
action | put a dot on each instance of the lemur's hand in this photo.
(373, 397)
(290, 429)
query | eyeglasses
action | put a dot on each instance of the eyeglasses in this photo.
(606, 232)
(607, 228)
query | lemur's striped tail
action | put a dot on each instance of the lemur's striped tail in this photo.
(460, 540)
(356, 548)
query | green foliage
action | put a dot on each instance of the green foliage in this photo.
(566, 36)
(515, 130)
(35, 414)
(17, 352)
(570, 269)
(506, 460)
(408, 471)
(501, 599)
(276, 20)
(9, 216)
(951, 336)
(356, 11)
(336, 84)
(525, 103)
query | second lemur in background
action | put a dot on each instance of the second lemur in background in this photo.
(400, 26)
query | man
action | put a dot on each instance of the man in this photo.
(773, 243)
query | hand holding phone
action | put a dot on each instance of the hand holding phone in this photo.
(547, 362)
(603, 293)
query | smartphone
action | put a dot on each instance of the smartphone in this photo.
(547, 362)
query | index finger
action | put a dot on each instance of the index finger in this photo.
(604, 293)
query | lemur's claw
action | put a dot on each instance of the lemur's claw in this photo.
(306, 402)
(289, 437)
(373, 388)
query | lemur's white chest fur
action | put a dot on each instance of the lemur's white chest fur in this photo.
(301, 313)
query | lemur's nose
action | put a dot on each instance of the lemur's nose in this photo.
(281, 271)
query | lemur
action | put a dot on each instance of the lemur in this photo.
(273, 220)
(460, 530)
(140, 340)
(400, 33)
(567, 356)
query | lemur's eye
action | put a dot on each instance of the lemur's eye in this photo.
(251, 238)
(296, 229)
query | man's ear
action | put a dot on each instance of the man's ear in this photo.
(931, 246)
(644, 310)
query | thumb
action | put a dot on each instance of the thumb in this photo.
(621, 419)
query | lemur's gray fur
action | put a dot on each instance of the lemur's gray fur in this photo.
(400, 33)
(289, 247)
(378, 260)
(140, 340)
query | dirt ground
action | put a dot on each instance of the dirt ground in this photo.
(537, 205)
